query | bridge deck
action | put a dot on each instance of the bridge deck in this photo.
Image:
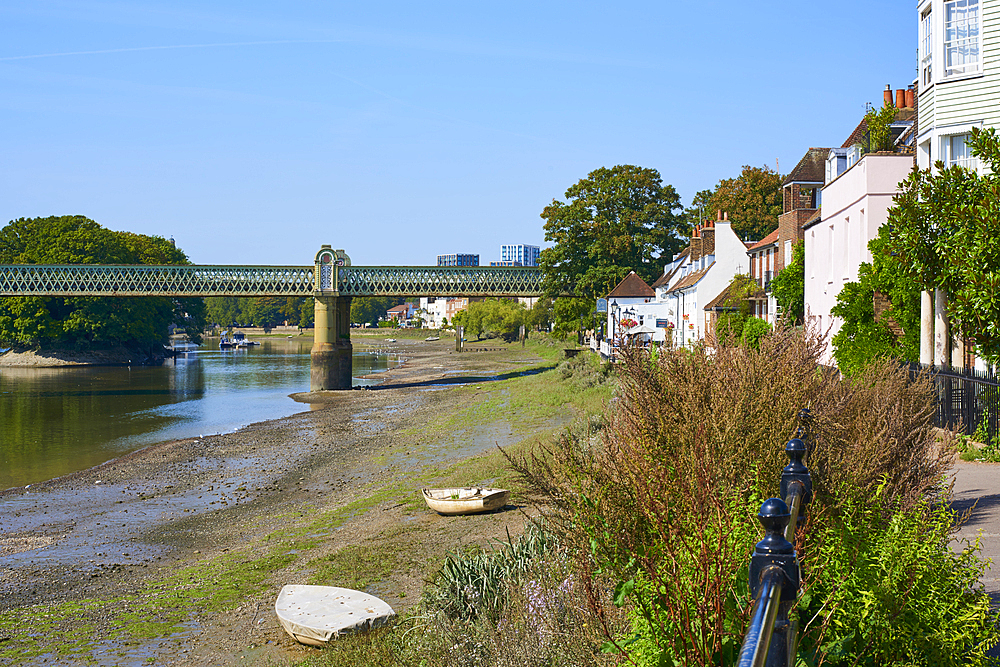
(200, 280)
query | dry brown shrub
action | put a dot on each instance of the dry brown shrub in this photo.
(695, 440)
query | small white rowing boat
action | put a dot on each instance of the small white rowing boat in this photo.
(433, 338)
(469, 500)
(315, 615)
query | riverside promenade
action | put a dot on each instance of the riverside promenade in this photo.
(977, 486)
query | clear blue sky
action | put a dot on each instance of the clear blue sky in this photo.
(252, 132)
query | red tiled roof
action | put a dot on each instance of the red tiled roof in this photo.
(632, 286)
(766, 241)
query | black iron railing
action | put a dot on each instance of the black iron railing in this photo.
(966, 398)
(772, 638)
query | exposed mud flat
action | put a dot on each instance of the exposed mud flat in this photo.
(110, 529)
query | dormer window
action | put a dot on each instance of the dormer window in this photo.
(836, 164)
(854, 155)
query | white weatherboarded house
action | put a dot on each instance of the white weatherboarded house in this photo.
(958, 88)
(959, 82)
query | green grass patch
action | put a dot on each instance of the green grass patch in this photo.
(361, 565)
(166, 604)
(524, 401)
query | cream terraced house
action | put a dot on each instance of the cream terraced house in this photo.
(959, 77)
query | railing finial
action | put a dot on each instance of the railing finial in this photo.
(773, 516)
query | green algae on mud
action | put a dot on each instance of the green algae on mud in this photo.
(167, 605)
(534, 405)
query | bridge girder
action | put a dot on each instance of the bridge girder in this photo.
(203, 280)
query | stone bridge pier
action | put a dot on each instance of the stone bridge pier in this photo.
(332, 352)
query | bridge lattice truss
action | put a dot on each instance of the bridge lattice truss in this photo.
(199, 280)
(439, 281)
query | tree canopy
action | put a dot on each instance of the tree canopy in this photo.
(614, 221)
(261, 311)
(371, 309)
(753, 201)
(701, 208)
(943, 228)
(89, 322)
(864, 336)
(493, 318)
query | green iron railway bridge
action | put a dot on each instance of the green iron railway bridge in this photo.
(330, 279)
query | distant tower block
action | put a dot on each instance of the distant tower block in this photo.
(519, 255)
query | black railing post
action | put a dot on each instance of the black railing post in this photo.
(796, 482)
(774, 586)
(772, 638)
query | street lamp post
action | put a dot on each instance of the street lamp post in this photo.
(614, 308)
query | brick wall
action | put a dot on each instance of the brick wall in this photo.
(790, 229)
(799, 195)
(708, 241)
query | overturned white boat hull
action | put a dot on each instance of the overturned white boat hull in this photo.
(315, 615)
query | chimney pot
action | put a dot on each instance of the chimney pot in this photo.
(909, 98)
(725, 216)
(900, 98)
(887, 94)
(718, 214)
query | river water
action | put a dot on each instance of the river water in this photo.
(54, 421)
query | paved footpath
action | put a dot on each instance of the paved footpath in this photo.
(979, 484)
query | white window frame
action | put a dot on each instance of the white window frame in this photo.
(948, 156)
(927, 46)
(944, 138)
(966, 30)
(854, 154)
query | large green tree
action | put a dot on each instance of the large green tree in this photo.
(944, 229)
(90, 322)
(613, 221)
(702, 208)
(371, 309)
(753, 201)
(493, 318)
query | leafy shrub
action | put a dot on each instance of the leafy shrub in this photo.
(753, 330)
(897, 595)
(469, 585)
(665, 502)
(585, 371)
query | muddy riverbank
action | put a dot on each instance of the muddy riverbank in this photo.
(174, 554)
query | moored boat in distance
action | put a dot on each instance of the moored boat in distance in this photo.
(242, 341)
(467, 500)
